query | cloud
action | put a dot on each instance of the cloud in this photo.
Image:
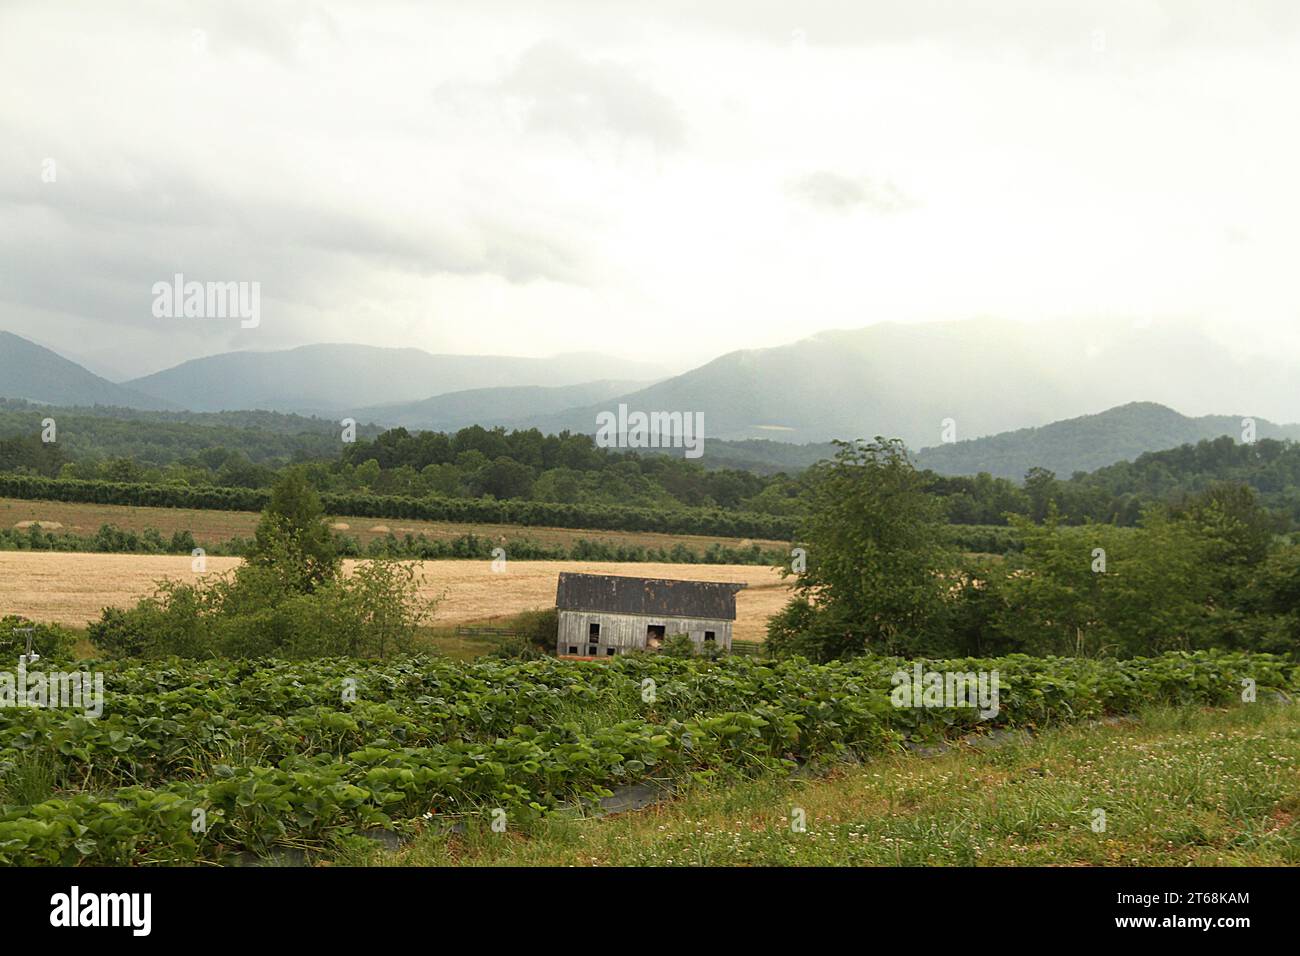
(93, 224)
(580, 98)
(838, 193)
(1032, 26)
(660, 177)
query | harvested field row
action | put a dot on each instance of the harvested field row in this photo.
(218, 527)
(72, 589)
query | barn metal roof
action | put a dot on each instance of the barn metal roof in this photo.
(614, 594)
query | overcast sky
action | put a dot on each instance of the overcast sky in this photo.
(642, 178)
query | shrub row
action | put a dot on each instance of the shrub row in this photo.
(711, 521)
(584, 549)
(113, 540)
(109, 539)
(983, 538)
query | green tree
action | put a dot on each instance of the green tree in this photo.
(504, 478)
(1099, 589)
(876, 559)
(1052, 596)
(292, 539)
(1272, 601)
(1043, 491)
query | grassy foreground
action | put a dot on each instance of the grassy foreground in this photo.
(1179, 786)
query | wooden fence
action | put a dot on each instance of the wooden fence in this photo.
(484, 632)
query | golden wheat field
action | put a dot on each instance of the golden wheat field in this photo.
(72, 589)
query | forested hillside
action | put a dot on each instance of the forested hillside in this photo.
(34, 373)
(246, 450)
(123, 443)
(1089, 442)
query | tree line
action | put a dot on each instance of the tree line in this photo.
(497, 465)
(876, 573)
(705, 521)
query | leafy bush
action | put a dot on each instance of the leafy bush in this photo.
(48, 640)
(797, 630)
(517, 649)
(374, 613)
(678, 645)
(1195, 576)
(171, 621)
(538, 628)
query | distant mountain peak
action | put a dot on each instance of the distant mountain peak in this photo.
(1089, 442)
(36, 374)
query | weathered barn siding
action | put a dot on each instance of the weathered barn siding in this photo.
(623, 632)
(625, 608)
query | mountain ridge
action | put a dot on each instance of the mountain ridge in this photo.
(1089, 442)
(489, 407)
(338, 378)
(983, 376)
(34, 373)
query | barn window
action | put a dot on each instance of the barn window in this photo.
(593, 631)
(609, 652)
(710, 635)
(572, 649)
(591, 651)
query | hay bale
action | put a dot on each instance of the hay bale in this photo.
(340, 526)
(380, 529)
(43, 525)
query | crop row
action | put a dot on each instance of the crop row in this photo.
(708, 521)
(302, 753)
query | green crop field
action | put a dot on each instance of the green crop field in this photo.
(209, 761)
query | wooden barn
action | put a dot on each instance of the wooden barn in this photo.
(602, 615)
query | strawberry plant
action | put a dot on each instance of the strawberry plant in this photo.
(274, 754)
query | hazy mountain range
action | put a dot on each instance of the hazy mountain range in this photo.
(345, 379)
(1014, 395)
(32, 372)
(489, 407)
(986, 376)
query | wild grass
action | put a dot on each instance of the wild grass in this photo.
(1178, 786)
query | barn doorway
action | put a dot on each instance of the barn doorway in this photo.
(654, 636)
